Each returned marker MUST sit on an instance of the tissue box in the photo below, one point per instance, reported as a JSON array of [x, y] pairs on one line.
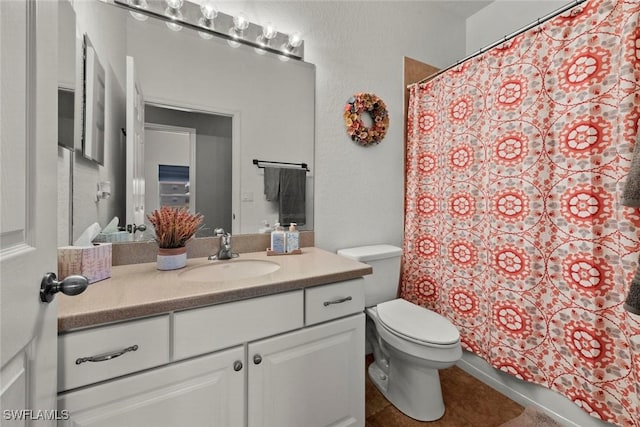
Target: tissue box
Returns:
[[93, 262]]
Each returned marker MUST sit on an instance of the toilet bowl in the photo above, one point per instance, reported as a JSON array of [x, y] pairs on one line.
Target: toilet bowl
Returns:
[[410, 343]]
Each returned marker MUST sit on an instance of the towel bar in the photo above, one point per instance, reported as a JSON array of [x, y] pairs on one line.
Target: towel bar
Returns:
[[302, 165]]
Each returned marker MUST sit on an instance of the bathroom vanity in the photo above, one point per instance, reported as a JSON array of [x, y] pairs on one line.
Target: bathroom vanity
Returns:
[[281, 349]]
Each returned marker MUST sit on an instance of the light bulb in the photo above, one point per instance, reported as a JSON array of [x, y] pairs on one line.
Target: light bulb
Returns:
[[138, 16], [208, 24], [233, 33], [140, 4], [175, 15], [295, 40], [262, 42], [175, 4], [240, 22], [208, 10], [268, 31]]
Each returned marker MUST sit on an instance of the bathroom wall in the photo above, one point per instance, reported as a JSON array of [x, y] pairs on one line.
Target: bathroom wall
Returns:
[[500, 18], [503, 17], [358, 47]]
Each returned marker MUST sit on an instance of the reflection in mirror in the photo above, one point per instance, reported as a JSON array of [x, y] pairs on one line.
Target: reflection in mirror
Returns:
[[206, 152], [66, 117], [268, 105], [94, 85]]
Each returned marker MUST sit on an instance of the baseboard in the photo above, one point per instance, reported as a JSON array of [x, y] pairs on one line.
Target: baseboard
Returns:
[[553, 403]]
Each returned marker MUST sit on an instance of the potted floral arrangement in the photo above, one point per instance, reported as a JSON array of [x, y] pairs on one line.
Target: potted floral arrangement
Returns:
[[173, 227]]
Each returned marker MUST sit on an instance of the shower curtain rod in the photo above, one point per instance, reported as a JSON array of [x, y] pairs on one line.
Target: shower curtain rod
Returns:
[[539, 21]]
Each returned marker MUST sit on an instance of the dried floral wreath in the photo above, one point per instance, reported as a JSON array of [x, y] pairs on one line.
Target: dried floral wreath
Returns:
[[375, 107]]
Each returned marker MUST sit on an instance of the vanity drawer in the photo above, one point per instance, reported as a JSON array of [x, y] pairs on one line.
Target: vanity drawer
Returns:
[[105, 352], [207, 329], [328, 302]]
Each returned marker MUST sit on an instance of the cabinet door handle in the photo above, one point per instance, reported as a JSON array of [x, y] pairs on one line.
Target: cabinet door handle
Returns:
[[338, 301], [257, 359], [237, 365], [106, 356]]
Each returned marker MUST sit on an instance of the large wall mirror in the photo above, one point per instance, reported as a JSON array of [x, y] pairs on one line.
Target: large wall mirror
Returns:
[[205, 110]]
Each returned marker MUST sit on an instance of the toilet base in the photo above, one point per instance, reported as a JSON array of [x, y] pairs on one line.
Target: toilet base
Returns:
[[415, 391]]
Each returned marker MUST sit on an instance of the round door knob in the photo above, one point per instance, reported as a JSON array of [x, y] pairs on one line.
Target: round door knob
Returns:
[[257, 359], [71, 285], [237, 365]]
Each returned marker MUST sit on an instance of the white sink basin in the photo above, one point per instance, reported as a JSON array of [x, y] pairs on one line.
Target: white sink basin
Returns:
[[229, 270]]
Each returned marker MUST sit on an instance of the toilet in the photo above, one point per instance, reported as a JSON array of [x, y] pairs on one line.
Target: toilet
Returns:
[[410, 343]]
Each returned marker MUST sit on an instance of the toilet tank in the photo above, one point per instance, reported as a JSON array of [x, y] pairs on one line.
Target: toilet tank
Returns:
[[382, 285]]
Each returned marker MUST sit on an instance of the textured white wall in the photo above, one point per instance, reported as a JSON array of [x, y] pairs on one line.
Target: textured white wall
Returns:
[[358, 47], [503, 17]]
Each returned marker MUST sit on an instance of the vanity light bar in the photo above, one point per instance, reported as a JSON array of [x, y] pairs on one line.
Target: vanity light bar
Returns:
[[223, 27]]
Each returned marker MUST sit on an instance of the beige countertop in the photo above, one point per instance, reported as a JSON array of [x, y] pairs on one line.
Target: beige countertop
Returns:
[[138, 290]]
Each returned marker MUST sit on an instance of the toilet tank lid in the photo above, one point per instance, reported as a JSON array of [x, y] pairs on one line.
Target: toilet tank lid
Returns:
[[371, 253]]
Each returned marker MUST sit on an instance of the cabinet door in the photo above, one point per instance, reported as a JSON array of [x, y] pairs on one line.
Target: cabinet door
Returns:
[[313, 377], [207, 391]]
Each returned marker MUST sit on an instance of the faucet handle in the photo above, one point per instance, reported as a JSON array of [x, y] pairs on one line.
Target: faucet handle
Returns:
[[218, 232]]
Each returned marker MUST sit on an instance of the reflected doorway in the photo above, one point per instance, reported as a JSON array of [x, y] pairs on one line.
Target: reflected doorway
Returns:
[[203, 143]]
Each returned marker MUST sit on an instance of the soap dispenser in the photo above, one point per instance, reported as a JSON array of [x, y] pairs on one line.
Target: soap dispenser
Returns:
[[278, 239], [293, 238]]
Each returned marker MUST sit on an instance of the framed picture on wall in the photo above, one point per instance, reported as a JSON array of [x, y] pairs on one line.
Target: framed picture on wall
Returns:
[[94, 105]]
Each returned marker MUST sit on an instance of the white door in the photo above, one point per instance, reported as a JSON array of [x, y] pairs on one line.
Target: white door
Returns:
[[135, 147], [28, 215]]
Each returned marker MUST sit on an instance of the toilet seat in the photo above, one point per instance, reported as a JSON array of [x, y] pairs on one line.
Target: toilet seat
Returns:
[[416, 323]]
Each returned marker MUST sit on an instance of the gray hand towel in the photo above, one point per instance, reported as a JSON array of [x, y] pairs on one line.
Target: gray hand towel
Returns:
[[631, 192], [631, 198], [271, 183], [632, 302], [293, 184]]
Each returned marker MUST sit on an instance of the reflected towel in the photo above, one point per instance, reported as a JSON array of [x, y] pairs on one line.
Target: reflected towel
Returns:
[[631, 198], [293, 184], [631, 191], [271, 183], [632, 303]]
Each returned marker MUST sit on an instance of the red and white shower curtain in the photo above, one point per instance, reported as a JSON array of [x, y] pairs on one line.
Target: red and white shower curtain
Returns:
[[514, 230]]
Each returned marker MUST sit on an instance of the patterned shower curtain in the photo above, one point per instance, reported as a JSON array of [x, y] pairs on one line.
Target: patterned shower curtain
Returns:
[[514, 230]]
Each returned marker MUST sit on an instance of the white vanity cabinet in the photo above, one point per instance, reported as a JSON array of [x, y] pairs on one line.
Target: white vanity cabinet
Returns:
[[312, 377], [205, 391], [285, 360]]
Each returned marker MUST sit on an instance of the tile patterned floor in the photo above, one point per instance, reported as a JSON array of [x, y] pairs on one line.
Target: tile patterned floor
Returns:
[[468, 403]]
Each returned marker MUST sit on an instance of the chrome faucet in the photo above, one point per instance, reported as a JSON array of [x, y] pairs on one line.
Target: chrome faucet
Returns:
[[225, 245]]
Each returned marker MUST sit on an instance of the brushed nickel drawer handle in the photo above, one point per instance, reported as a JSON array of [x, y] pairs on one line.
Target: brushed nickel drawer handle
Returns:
[[106, 356], [338, 301]]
